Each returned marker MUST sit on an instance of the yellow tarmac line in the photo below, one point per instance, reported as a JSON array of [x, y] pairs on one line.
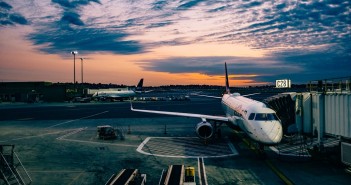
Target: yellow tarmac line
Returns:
[[77, 119], [285, 179], [279, 173]]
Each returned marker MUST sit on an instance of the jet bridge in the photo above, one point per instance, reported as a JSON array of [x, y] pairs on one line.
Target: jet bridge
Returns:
[[284, 105], [316, 119]]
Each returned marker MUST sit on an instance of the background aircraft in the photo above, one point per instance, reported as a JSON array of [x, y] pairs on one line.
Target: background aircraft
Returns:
[[258, 121], [120, 94]]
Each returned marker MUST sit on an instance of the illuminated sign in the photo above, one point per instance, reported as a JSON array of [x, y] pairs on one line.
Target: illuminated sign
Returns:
[[285, 83]]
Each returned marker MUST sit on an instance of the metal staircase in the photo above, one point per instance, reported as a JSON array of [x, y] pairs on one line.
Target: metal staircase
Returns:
[[12, 171]]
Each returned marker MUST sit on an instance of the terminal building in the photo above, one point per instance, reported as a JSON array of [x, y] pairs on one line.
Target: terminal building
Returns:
[[31, 92], [38, 91]]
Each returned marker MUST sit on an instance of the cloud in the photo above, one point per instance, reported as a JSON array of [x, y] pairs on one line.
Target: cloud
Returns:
[[291, 24], [17, 18], [218, 9], [71, 8], [72, 18], [301, 38], [75, 3], [329, 61], [159, 5], [259, 68], [257, 24], [72, 33], [159, 24], [189, 4], [88, 40], [251, 4], [10, 17], [5, 6]]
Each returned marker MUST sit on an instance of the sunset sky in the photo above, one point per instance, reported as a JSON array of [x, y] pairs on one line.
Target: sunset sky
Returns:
[[175, 41]]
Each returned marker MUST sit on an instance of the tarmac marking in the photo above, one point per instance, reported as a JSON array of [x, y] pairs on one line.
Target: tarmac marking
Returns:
[[77, 119], [284, 178], [75, 131], [279, 173], [71, 133], [77, 177], [99, 143], [202, 171], [232, 148], [27, 137], [284, 153], [184, 147]]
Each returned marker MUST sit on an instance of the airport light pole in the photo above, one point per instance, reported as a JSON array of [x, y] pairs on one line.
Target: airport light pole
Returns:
[[74, 66], [81, 65]]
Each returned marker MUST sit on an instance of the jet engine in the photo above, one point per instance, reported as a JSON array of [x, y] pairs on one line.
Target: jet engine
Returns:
[[204, 130]]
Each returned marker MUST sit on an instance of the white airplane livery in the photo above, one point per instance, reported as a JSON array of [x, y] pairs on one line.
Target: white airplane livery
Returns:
[[258, 121], [120, 93]]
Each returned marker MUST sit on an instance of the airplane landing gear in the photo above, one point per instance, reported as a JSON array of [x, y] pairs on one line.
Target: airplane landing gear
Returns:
[[261, 151], [217, 130]]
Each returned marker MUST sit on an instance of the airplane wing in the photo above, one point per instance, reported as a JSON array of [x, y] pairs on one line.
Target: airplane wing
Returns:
[[250, 94], [207, 96], [202, 116], [221, 97]]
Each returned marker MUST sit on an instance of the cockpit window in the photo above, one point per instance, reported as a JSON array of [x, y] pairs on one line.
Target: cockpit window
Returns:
[[252, 116], [266, 117]]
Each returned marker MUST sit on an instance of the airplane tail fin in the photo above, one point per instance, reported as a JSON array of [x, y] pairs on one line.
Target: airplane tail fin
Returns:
[[140, 85], [227, 90]]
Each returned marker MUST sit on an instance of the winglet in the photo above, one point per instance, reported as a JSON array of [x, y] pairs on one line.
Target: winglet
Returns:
[[227, 90]]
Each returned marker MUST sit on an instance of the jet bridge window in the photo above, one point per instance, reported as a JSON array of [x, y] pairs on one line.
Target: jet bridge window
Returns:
[[252, 116], [266, 117]]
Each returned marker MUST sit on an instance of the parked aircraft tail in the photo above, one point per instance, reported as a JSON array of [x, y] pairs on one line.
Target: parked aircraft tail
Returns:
[[140, 85]]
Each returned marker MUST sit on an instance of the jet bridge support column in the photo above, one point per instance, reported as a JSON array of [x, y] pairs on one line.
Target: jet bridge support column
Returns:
[[318, 112]]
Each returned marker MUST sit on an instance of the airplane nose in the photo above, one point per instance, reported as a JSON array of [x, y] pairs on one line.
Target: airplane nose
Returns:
[[270, 132], [276, 135]]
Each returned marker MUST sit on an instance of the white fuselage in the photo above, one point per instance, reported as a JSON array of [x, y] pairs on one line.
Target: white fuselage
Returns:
[[115, 93], [253, 117]]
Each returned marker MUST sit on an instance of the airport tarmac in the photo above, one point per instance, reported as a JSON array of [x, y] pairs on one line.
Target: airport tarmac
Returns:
[[58, 144]]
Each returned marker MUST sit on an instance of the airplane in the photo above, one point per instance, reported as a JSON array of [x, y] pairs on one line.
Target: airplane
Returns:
[[258, 121], [120, 93]]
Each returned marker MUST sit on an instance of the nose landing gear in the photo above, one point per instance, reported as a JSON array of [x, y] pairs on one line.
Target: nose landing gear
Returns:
[[261, 151]]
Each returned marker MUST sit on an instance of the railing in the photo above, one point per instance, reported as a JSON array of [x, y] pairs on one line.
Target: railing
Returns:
[[333, 85], [9, 167], [5, 178], [24, 169]]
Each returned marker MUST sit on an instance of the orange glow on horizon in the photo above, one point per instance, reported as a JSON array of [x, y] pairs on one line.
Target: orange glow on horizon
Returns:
[[22, 61], [203, 79]]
